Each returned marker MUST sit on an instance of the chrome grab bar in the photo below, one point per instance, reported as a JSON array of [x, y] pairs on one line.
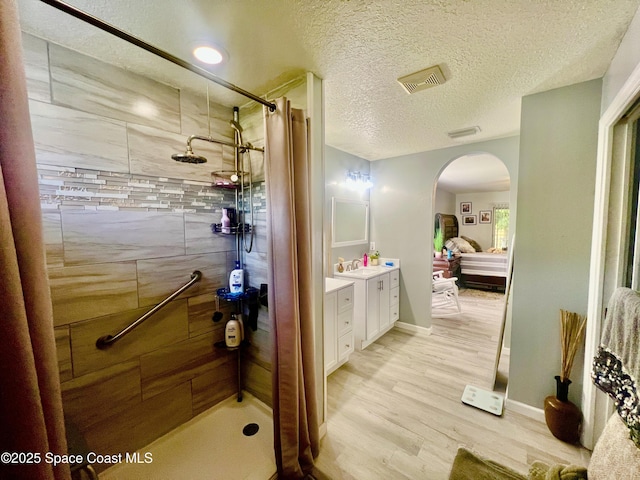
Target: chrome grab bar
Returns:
[[108, 340]]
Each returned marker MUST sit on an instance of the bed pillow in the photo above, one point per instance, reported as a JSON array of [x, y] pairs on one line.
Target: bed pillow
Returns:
[[473, 243], [459, 245], [451, 246]]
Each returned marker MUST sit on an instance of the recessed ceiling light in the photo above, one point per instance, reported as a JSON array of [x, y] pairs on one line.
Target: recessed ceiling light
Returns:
[[208, 54]]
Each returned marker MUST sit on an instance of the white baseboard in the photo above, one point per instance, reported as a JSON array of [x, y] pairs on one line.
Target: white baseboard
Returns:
[[524, 409], [409, 327]]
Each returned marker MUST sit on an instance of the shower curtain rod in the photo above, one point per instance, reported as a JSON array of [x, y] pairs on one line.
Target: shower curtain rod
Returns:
[[96, 22]]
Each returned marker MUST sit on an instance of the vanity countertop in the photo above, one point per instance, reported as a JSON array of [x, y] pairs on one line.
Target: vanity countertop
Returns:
[[333, 284], [369, 271]]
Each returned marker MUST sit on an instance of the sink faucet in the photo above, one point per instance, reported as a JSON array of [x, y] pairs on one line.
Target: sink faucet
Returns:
[[348, 268], [354, 263]]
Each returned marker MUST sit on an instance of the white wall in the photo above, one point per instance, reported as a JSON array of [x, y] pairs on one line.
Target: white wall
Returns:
[[445, 202], [402, 210], [627, 58], [558, 143], [337, 164], [481, 232]]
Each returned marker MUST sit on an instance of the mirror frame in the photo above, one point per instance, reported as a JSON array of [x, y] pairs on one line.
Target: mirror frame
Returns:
[[357, 241]]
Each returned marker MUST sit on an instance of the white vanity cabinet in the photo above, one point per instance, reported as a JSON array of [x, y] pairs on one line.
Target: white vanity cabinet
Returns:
[[376, 298], [338, 323], [377, 306]]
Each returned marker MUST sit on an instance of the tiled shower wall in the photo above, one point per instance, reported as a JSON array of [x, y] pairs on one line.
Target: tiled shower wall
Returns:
[[125, 226]]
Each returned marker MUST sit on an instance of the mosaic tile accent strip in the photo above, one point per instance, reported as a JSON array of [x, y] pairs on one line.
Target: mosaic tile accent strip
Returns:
[[64, 188]]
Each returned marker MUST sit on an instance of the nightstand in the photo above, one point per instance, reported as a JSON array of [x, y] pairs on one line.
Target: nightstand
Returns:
[[451, 267]]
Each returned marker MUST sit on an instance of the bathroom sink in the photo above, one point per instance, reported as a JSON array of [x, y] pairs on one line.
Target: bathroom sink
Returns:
[[362, 272]]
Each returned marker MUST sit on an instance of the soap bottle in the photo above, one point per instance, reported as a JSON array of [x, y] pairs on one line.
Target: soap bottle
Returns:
[[236, 280], [233, 332], [365, 260], [225, 222], [340, 266]]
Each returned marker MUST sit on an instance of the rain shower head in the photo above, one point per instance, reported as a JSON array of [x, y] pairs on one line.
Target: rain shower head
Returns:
[[188, 156]]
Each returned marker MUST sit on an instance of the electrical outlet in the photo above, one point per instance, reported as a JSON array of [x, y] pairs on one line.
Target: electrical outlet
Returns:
[[372, 246]]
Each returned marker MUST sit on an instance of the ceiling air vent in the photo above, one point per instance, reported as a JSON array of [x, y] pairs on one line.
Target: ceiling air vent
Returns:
[[430, 77], [463, 132]]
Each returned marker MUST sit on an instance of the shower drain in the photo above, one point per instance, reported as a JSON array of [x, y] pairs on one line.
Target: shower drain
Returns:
[[250, 429]]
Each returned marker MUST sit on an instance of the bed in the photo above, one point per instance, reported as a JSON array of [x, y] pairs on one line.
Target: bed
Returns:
[[478, 269]]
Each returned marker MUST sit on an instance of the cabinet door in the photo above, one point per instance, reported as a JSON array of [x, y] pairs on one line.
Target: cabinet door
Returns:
[[345, 299], [345, 322], [373, 307], [345, 346], [330, 331], [384, 301]]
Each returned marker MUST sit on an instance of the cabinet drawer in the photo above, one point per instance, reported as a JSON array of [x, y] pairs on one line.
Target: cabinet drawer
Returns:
[[394, 278], [394, 312], [394, 295], [345, 322], [345, 345], [345, 298]]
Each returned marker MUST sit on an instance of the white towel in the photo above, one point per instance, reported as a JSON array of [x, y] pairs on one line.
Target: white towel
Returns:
[[616, 367]]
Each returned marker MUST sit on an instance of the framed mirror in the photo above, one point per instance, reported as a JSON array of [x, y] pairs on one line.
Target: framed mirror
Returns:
[[349, 222]]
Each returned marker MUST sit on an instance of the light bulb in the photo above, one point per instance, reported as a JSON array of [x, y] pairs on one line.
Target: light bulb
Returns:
[[208, 55]]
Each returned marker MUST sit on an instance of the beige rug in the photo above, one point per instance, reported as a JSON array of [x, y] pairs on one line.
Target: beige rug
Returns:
[[472, 292]]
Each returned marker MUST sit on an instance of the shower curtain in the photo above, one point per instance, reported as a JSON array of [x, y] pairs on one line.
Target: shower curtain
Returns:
[[31, 418], [296, 435]]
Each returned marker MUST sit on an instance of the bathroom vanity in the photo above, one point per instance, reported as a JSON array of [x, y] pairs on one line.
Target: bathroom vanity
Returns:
[[376, 300], [338, 323]]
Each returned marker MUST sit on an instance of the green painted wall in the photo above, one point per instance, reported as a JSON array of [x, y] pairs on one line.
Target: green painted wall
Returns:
[[402, 215], [558, 142]]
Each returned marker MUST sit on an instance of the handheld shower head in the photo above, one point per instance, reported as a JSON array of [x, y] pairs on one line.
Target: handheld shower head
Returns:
[[188, 157], [236, 126]]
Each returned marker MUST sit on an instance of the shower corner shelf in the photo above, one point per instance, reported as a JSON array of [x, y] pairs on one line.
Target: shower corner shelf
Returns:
[[225, 294], [229, 178], [232, 230], [223, 345]]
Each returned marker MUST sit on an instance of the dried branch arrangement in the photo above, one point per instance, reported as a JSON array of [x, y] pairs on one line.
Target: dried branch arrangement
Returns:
[[571, 333]]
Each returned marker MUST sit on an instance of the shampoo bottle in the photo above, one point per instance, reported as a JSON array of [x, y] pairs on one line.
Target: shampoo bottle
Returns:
[[233, 332], [236, 280]]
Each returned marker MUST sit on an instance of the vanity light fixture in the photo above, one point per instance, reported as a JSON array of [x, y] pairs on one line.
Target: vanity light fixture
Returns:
[[358, 181], [211, 55]]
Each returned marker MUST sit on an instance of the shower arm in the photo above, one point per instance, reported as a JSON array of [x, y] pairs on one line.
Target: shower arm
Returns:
[[243, 148]]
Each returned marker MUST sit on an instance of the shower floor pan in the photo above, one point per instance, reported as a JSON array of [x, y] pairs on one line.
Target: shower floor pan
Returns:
[[219, 444]]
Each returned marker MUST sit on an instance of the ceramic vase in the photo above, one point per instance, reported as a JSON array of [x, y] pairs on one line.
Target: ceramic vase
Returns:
[[562, 416]]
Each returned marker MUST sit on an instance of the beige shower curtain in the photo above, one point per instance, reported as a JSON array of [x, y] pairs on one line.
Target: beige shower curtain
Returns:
[[31, 418], [289, 231]]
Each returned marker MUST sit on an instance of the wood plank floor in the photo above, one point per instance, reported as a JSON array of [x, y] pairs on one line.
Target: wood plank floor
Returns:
[[395, 409]]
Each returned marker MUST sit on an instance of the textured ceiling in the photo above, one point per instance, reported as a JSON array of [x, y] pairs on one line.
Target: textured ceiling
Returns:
[[491, 52]]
